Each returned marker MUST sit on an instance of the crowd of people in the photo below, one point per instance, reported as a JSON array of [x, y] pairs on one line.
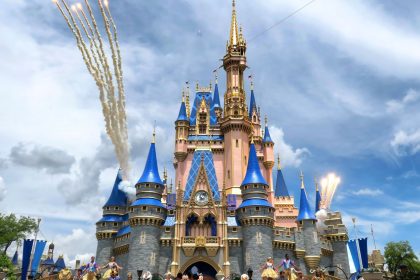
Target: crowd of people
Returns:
[[286, 270]]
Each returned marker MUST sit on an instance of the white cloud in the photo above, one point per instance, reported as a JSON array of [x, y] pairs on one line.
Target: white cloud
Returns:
[[406, 143], [288, 155], [3, 190], [79, 244], [394, 105], [368, 192]]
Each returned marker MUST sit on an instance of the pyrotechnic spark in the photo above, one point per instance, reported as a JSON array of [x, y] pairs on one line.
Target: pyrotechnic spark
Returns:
[[112, 99], [328, 187]]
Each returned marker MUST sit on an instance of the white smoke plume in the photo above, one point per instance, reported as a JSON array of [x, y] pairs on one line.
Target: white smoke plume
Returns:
[[129, 190], [84, 27]]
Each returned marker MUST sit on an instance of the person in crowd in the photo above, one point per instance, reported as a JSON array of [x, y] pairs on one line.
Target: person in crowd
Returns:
[[179, 276], [244, 277], [91, 269], [269, 271], [129, 276]]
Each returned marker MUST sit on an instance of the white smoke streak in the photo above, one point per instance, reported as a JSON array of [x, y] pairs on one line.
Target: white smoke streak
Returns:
[[126, 187], [112, 99]]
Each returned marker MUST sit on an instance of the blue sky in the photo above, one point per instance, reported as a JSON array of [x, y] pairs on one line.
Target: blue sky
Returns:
[[339, 82]]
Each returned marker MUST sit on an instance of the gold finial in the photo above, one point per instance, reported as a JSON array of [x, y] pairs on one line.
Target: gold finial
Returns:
[[215, 76], [302, 186], [183, 95], [154, 133], [266, 120], [210, 85], [316, 184], [196, 86], [278, 162]]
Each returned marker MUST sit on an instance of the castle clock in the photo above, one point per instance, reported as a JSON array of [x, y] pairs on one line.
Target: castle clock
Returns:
[[201, 198]]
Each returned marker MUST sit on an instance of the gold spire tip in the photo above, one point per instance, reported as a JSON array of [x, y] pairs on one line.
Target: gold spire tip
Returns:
[[266, 120], [278, 161]]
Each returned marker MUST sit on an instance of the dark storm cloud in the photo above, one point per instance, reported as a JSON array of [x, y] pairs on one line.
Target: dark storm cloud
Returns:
[[48, 159]]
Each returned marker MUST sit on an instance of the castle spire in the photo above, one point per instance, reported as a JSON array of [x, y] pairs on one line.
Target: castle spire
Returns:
[[305, 211], [117, 196], [151, 171], [233, 38], [253, 171], [267, 137], [281, 188], [182, 115], [317, 197]]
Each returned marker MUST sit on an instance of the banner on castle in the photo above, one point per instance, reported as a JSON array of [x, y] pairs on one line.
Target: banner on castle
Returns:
[[39, 249], [26, 256], [364, 252], [171, 201], [231, 202]]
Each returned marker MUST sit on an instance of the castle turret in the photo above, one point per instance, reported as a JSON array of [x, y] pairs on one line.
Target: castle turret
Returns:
[[286, 212], [256, 216], [181, 132], [307, 223], [268, 151], [235, 124], [147, 214], [114, 216]]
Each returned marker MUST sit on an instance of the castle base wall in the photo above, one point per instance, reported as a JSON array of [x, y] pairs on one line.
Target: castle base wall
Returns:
[[104, 251]]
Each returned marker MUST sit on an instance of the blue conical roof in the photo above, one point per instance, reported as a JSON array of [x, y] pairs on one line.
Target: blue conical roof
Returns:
[[305, 211], [281, 188], [59, 264], [253, 172], [151, 171], [317, 200], [182, 115], [267, 137], [117, 197], [216, 98], [252, 104]]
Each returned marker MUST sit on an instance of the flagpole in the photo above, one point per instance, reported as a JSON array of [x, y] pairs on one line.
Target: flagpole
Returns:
[[357, 244], [33, 248]]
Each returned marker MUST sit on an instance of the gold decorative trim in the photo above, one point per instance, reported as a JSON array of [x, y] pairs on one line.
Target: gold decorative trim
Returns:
[[121, 250], [312, 261]]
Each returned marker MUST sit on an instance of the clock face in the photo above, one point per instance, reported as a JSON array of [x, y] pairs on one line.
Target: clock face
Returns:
[[201, 198]]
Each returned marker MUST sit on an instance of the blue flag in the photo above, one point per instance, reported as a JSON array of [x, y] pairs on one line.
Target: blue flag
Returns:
[[26, 256]]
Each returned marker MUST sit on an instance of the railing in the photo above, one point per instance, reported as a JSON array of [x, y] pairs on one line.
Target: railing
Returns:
[[200, 240]]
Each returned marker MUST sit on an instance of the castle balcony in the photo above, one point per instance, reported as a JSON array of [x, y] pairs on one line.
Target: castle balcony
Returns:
[[210, 244]]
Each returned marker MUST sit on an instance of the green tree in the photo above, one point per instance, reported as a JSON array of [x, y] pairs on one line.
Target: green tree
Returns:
[[7, 267], [400, 253], [13, 228]]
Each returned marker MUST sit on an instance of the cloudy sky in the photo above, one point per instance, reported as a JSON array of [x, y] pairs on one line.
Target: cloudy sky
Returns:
[[339, 81]]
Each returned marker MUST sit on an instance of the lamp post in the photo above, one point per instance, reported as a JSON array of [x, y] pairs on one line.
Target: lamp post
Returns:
[[250, 272], [139, 274]]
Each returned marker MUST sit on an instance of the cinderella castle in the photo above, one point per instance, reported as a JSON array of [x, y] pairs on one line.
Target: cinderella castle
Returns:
[[226, 214]]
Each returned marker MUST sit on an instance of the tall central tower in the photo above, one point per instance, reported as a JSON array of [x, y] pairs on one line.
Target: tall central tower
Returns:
[[235, 124], [234, 63]]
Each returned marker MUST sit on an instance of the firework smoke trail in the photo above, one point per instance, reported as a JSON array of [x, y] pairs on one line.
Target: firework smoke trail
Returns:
[[96, 61], [328, 187]]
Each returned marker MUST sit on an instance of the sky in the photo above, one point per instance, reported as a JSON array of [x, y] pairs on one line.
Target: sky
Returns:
[[339, 82]]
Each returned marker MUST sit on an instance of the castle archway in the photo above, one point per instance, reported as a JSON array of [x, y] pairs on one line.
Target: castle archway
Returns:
[[203, 265]]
